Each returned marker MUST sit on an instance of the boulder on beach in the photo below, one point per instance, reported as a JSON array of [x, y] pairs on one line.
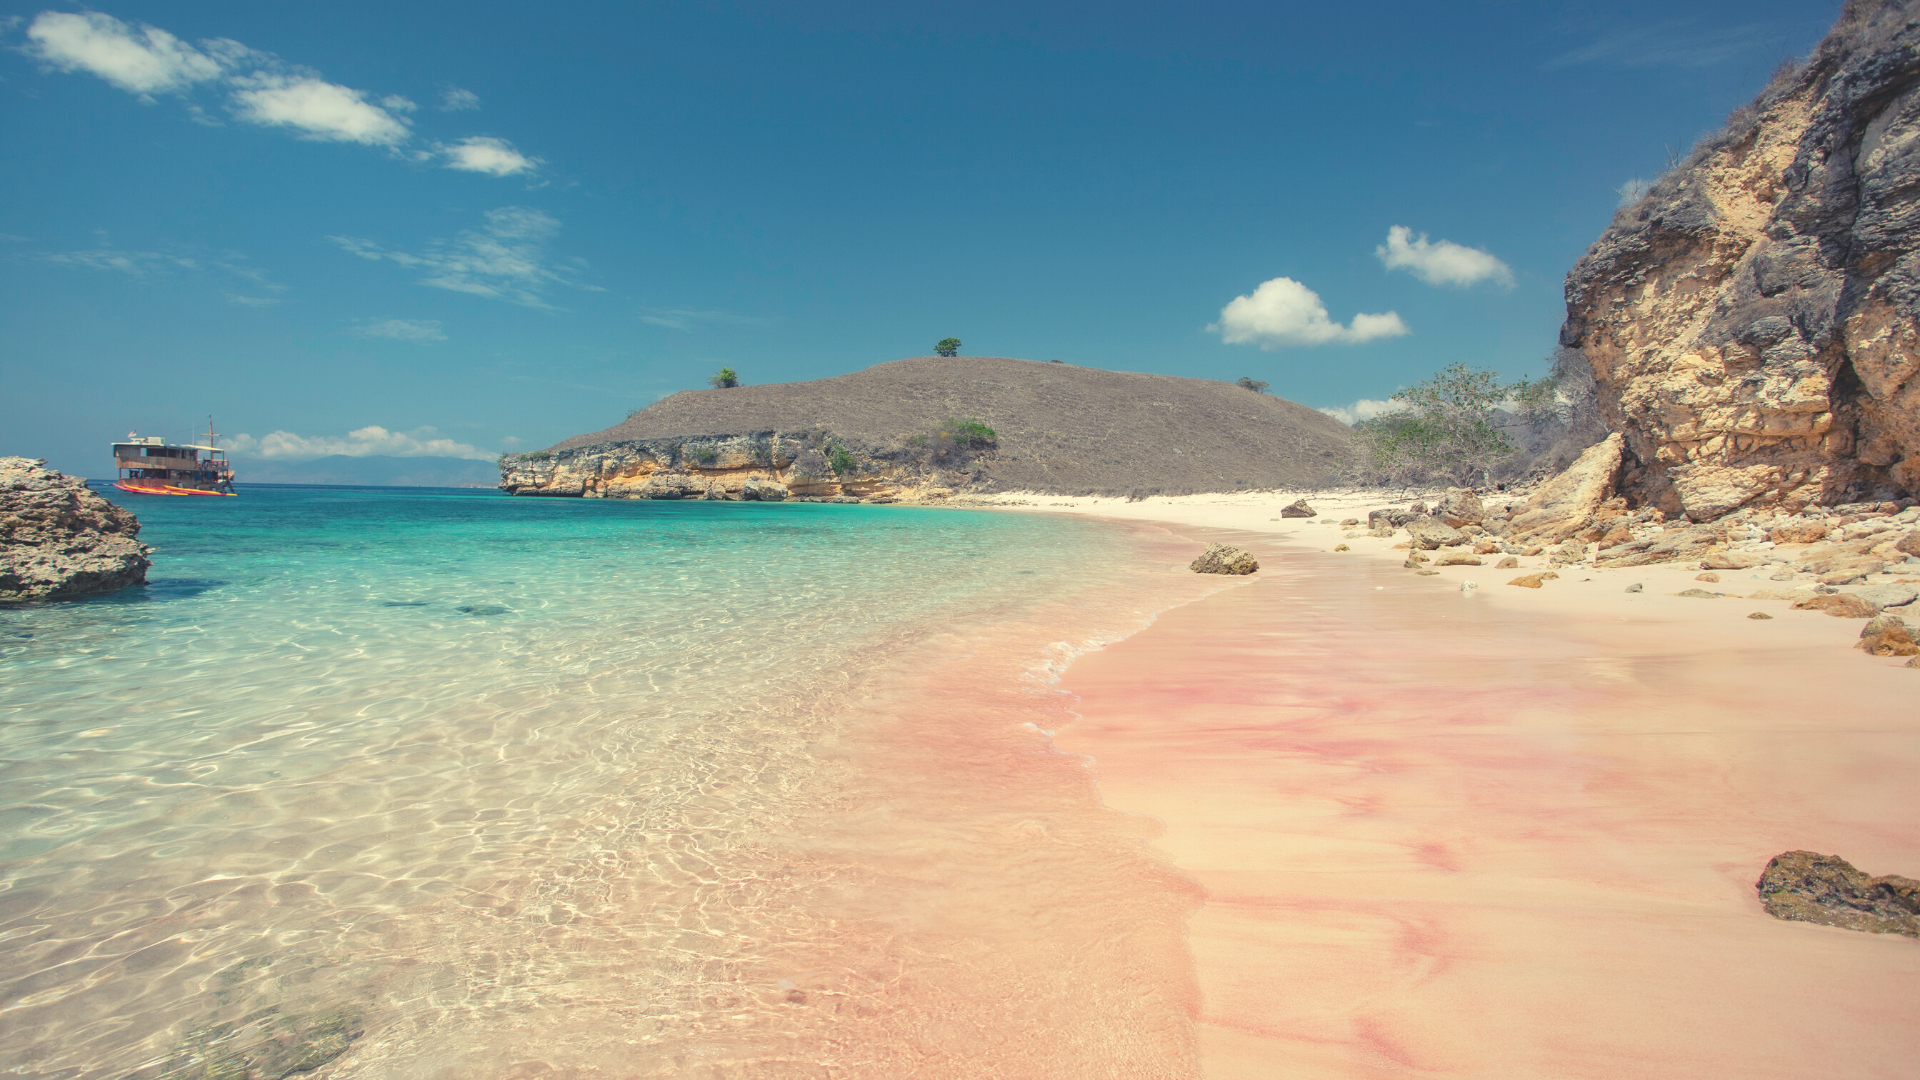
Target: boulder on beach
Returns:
[[1806, 886], [1389, 518], [1458, 558], [1222, 559], [1888, 635], [1460, 508], [1427, 534], [1839, 605], [59, 540], [1298, 509]]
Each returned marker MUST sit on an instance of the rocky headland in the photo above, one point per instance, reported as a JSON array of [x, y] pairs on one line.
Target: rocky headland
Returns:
[[61, 541], [932, 428], [1751, 321]]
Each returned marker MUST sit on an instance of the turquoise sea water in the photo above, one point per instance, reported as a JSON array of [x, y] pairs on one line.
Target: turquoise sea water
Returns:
[[418, 770]]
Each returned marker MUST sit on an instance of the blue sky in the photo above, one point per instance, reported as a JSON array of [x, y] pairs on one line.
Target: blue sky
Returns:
[[466, 228]]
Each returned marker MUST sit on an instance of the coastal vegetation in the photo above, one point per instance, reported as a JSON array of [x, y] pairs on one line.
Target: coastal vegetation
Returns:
[[1247, 382], [724, 379], [947, 347]]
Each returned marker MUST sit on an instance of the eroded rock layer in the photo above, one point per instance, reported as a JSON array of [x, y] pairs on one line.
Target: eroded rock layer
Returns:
[[61, 541], [1754, 322]]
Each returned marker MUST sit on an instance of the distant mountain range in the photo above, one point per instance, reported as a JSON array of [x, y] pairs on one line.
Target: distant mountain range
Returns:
[[371, 471]]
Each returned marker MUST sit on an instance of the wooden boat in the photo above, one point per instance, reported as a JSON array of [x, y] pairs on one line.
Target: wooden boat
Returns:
[[154, 466]]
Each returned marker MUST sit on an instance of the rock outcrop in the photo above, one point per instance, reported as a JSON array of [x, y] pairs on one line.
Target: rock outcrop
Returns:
[[761, 466], [1806, 886], [1224, 559], [61, 541], [1753, 322]]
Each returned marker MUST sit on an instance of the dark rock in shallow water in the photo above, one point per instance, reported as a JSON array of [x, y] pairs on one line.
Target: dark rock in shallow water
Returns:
[[1806, 886], [61, 541], [1221, 559], [483, 609]]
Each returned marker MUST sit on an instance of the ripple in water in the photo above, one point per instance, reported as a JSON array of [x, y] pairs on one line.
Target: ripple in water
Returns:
[[407, 784]]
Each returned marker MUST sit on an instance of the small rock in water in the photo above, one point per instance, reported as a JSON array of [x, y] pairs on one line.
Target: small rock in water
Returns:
[[1709, 576], [1299, 509], [1759, 615], [482, 609], [1807, 886], [1222, 559], [1636, 587]]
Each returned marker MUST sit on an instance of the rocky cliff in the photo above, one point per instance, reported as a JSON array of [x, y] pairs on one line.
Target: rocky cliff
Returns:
[[59, 540], [1752, 322], [883, 433]]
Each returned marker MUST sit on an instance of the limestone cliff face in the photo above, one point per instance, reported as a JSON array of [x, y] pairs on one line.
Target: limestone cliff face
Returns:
[[1752, 322], [767, 466]]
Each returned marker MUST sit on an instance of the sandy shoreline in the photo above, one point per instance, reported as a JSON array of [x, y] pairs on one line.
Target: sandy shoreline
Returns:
[[1506, 832]]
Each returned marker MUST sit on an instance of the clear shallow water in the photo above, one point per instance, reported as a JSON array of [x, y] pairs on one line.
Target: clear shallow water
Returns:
[[504, 787]]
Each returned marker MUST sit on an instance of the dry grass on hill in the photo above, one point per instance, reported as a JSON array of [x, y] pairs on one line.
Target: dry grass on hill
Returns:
[[1061, 428]]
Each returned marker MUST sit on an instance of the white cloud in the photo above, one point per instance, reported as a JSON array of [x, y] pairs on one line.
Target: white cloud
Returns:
[[253, 301], [401, 329], [362, 442], [1440, 262], [507, 259], [1284, 312], [143, 60], [320, 109], [485, 154], [136, 263], [691, 318], [262, 89], [1363, 409]]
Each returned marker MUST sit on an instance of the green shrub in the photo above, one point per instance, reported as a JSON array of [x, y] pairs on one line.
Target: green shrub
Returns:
[[724, 379], [947, 347], [537, 455], [840, 460], [706, 455], [1246, 382], [967, 431]]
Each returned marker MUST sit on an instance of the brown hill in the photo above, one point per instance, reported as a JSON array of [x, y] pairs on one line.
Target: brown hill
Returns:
[[1061, 428]]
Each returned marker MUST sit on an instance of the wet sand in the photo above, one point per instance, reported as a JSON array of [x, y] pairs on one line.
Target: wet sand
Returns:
[[1512, 833]]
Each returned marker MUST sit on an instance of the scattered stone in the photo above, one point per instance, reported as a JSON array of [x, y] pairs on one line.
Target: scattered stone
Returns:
[[1806, 886], [1699, 594], [1389, 518], [1299, 509], [1839, 605], [1349, 523], [1721, 560], [1419, 508], [1909, 544], [1426, 533], [1428, 573], [1528, 581], [1382, 533], [1636, 587], [1888, 635], [1222, 559], [1458, 558], [1707, 577], [1460, 508], [1418, 557], [1759, 615], [59, 540], [1507, 563], [1530, 552], [1342, 547], [1782, 574], [1469, 586]]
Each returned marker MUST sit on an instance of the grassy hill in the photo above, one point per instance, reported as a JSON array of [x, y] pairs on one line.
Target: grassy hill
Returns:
[[1061, 428]]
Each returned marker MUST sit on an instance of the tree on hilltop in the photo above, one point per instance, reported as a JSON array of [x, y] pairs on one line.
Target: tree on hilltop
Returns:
[[1258, 386], [947, 347], [723, 379]]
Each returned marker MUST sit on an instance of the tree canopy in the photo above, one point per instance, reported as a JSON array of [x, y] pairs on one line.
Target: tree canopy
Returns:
[[723, 379], [947, 347]]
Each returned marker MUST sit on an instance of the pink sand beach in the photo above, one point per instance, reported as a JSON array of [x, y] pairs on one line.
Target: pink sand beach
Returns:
[[1509, 832]]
